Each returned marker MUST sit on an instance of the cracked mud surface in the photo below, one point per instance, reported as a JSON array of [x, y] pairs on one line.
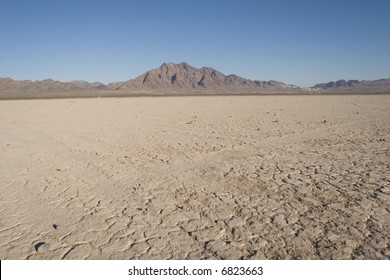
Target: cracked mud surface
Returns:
[[267, 177]]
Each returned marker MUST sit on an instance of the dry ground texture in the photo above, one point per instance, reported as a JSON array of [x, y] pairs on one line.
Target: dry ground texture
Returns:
[[222, 177]]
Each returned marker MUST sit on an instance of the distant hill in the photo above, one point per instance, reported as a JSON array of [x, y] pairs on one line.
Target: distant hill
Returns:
[[10, 88], [382, 85], [182, 77]]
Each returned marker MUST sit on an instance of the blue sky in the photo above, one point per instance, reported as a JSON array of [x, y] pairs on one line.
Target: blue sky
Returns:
[[301, 42]]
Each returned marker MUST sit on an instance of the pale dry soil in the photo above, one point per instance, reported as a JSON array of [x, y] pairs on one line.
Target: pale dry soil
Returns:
[[266, 177]]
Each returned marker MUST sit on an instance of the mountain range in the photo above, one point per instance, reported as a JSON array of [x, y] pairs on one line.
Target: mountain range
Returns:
[[382, 85], [181, 78]]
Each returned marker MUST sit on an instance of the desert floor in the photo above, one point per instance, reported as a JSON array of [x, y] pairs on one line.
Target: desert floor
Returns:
[[221, 177]]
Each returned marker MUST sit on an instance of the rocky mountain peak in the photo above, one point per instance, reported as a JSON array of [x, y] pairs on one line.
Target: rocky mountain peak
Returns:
[[182, 77]]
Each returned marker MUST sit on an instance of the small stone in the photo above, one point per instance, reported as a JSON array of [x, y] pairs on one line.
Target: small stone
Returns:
[[385, 190], [41, 246]]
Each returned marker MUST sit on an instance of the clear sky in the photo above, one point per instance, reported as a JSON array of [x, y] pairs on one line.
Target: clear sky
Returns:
[[303, 42]]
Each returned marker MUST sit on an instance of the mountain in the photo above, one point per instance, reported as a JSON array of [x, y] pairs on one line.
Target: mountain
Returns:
[[168, 78], [182, 77], [10, 88], [382, 85], [48, 84], [86, 85]]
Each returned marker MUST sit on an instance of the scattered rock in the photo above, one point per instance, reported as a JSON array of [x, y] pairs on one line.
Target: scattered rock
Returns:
[[385, 190], [40, 247]]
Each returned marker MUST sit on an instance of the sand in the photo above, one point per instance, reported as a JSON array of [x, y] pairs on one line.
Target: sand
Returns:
[[221, 177]]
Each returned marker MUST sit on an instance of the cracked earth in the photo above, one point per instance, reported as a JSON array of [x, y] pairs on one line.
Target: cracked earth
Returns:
[[218, 177]]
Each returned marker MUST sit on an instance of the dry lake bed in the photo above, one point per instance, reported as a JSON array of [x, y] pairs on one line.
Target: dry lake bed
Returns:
[[217, 177]]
